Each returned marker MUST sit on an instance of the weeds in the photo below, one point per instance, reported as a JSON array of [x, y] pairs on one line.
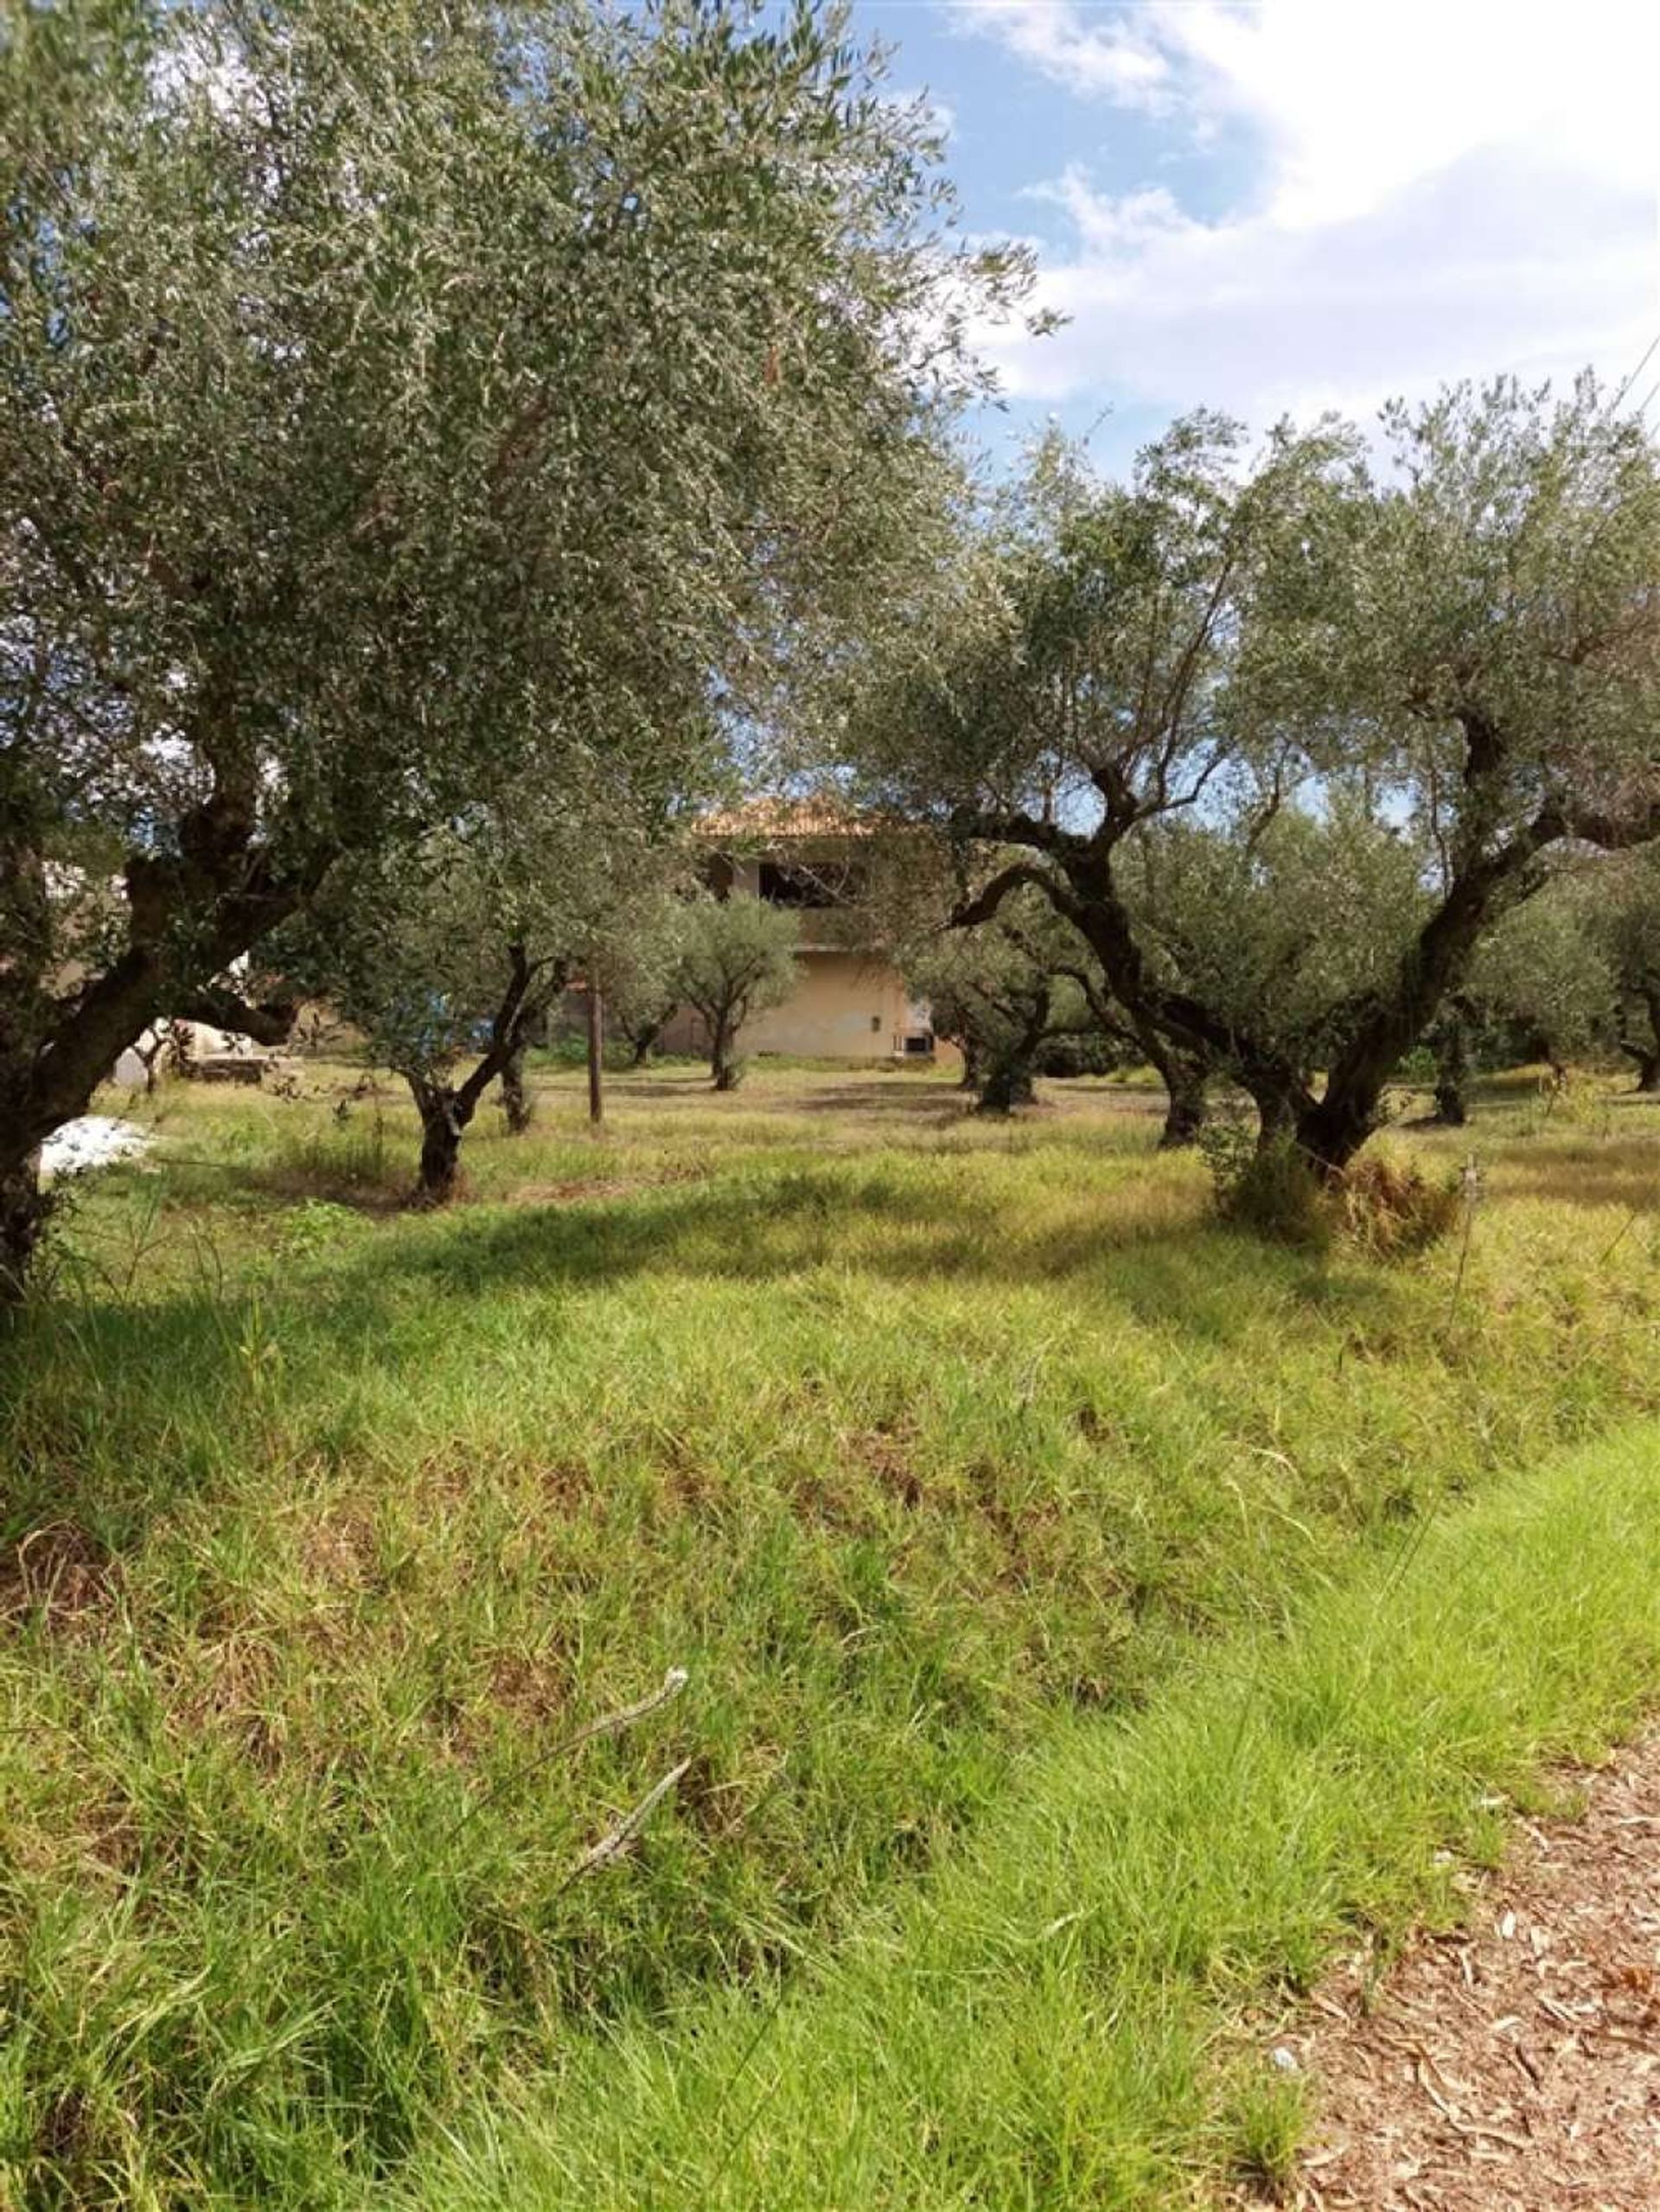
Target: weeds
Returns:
[[1264, 2121], [1278, 1196], [916, 1448], [1392, 1208], [349, 1155], [1386, 1203], [317, 1227], [1081, 2005], [1573, 1099]]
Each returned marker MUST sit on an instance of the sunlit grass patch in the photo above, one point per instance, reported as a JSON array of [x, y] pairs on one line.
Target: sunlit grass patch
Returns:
[[1078, 2007], [325, 1522]]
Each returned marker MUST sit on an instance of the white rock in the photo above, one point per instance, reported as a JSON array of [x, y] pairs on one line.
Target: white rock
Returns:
[[92, 1142]]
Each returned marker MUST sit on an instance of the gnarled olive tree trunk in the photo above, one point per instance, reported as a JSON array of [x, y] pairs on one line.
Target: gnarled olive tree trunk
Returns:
[[58, 1045], [445, 1109], [1188, 1105], [1008, 1084], [1452, 1045], [1007, 1078], [1186, 1078], [1645, 1051], [24, 1208], [515, 1096], [723, 1064], [1184, 1073], [644, 1035]]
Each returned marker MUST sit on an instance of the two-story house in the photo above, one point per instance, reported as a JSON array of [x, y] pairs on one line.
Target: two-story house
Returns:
[[850, 1002]]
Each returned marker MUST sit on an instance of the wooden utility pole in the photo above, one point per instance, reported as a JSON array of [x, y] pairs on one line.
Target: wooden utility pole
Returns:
[[596, 1051]]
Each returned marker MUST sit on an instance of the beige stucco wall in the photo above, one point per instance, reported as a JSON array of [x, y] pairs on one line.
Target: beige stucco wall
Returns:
[[847, 1006]]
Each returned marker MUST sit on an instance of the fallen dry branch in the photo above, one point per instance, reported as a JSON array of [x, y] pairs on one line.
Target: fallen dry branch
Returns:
[[617, 1840]]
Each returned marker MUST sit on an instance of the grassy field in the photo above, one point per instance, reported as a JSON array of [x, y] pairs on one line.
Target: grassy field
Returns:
[[932, 1450], [1079, 2010]]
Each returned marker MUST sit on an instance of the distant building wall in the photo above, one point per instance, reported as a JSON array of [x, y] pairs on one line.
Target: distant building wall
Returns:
[[846, 1006], [849, 1002]]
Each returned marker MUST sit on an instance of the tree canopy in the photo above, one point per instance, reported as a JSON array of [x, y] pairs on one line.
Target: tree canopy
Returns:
[[1445, 653], [737, 958], [398, 398]]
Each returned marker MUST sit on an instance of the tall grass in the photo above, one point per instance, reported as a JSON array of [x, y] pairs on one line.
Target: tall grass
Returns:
[[323, 1525], [1077, 2010]]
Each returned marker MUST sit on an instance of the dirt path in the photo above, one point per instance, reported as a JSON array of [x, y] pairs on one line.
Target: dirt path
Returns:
[[1514, 2066]]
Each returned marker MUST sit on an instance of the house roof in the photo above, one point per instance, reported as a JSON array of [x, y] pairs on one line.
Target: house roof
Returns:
[[788, 820]]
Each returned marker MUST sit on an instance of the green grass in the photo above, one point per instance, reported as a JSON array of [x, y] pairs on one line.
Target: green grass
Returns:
[[1077, 2010], [913, 1438]]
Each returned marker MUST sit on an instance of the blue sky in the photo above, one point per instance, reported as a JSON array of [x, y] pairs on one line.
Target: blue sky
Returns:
[[1299, 204]]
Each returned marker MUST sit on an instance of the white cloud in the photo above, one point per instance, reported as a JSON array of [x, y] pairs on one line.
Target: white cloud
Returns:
[[1110, 57], [1439, 190], [1359, 97], [1132, 222]]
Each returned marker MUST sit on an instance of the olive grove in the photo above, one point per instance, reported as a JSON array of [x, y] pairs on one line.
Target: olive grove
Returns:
[[1283, 735], [399, 399]]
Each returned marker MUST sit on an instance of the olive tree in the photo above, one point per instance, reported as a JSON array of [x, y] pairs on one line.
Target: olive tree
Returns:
[[1021, 988], [1462, 630], [449, 958], [1544, 971], [736, 959], [1276, 912], [395, 398], [443, 984], [1623, 897], [1002, 992], [636, 966], [1574, 971]]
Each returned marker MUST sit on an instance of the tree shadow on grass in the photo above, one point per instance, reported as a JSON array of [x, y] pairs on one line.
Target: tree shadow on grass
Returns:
[[120, 1410], [759, 1230], [1620, 1172], [897, 1097], [625, 1088], [1168, 1266], [890, 1098]]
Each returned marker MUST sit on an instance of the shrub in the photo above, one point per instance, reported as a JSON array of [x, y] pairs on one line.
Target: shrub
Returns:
[[1227, 1144], [1387, 1204], [1270, 1189], [1077, 1052], [315, 1226], [1417, 1067], [1383, 1203], [1277, 1194]]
